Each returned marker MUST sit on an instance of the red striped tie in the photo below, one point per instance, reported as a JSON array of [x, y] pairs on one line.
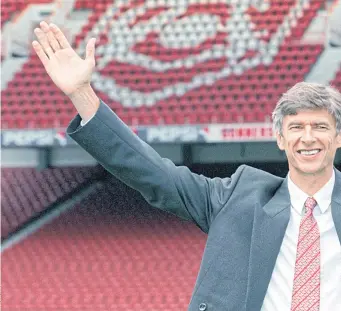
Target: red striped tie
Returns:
[[306, 289]]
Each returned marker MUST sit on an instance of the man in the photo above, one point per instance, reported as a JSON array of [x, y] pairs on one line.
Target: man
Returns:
[[273, 243]]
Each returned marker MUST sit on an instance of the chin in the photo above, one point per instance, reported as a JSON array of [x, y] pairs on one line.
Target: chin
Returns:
[[310, 169]]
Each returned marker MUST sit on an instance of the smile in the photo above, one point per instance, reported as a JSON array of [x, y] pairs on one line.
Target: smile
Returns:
[[309, 153]]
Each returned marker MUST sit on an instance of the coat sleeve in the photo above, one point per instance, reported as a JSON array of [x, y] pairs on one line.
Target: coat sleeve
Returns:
[[162, 184]]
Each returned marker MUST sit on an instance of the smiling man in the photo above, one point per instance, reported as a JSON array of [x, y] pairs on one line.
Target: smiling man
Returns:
[[307, 121], [273, 244]]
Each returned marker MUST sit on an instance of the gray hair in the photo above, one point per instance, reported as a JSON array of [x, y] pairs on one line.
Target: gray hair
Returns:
[[308, 96]]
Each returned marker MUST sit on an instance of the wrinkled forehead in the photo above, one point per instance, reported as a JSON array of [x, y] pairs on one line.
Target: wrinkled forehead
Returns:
[[310, 116]]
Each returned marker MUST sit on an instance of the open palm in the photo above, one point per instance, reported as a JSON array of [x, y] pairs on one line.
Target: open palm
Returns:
[[67, 69]]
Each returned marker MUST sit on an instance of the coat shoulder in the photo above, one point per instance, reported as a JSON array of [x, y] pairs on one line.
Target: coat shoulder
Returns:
[[254, 179]]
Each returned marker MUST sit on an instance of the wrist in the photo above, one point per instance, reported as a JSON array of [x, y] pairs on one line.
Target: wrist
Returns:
[[82, 91], [86, 101]]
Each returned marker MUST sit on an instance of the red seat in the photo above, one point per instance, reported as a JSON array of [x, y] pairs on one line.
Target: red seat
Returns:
[[231, 95]]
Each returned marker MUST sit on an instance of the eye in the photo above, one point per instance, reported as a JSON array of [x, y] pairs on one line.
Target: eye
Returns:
[[294, 127]]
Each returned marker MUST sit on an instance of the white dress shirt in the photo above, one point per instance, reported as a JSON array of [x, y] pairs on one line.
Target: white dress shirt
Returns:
[[279, 293], [85, 122]]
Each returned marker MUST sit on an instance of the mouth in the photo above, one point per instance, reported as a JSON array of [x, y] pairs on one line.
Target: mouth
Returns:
[[309, 153]]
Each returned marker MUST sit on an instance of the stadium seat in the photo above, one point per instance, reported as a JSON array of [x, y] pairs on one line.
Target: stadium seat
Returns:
[[263, 82], [27, 192], [106, 252]]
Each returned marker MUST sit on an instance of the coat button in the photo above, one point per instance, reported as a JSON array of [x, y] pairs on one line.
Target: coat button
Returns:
[[202, 306]]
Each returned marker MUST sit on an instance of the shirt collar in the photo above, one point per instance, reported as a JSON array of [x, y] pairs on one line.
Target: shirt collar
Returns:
[[323, 196]]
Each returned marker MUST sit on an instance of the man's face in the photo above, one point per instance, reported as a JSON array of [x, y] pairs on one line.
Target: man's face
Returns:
[[310, 141]]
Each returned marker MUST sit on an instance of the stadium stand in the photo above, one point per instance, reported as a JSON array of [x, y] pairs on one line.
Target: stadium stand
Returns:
[[12, 7], [109, 251], [26, 192], [112, 250], [32, 101], [337, 80]]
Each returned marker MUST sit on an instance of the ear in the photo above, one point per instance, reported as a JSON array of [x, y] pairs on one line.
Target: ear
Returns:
[[280, 141]]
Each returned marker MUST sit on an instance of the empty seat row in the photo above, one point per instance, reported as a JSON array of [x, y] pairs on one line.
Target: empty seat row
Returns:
[[27, 192], [111, 250]]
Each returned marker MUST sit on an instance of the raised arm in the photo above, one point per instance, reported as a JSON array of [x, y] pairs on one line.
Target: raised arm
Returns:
[[118, 149]]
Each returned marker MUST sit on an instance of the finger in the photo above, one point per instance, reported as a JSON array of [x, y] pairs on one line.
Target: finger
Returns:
[[42, 38], [40, 52], [90, 49], [50, 36], [64, 43]]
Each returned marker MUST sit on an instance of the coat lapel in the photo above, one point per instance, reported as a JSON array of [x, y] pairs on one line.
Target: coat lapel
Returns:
[[270, 223], [336, 203]]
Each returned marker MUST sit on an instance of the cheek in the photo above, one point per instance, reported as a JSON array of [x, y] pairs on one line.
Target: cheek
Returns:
[[330, 142], [292, 143]]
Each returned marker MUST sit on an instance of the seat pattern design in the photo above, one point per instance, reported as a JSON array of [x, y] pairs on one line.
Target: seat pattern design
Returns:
[[154, 81]]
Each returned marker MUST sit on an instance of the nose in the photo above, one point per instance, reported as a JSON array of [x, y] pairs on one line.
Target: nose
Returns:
[[308, 136]]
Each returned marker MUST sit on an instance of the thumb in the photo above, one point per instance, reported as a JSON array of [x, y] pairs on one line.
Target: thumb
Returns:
[[90, 49]]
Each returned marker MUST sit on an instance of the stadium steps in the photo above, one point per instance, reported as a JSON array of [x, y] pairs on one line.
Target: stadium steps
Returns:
[[316, 32], [78, 19], [326, 66], [10, 66]]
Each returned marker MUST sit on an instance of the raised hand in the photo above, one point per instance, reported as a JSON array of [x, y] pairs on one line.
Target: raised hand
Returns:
[[67, 70]]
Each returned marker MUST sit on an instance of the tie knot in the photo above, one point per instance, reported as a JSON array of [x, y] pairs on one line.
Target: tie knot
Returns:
[[310, 204]]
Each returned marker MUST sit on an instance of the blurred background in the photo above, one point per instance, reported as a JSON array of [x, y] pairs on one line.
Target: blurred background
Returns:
[[197, 80]]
